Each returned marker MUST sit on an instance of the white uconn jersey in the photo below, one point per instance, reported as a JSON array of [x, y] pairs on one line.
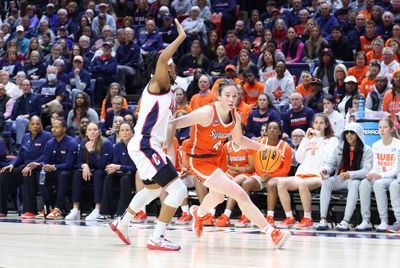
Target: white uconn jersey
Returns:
[[154, 115]]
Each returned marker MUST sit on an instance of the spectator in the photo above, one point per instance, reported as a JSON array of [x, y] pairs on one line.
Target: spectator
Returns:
[[340, 45], [374, 100], [78, 78], [241, 29], [128, 57], [251, 88], [376, 52], [245, 63], [314, 45], [325, 70], [217, 66], [115, 137], [103, 69], [292, 16], [103, 19], [263, 113], [389, 64], [35, 68], [168, 30], [298, 117], [182, 7], [292, 47], [304, 88], [233, 45], [226, 9], [230, 72], [58, 166], [195, 59], [81, 109], [205, 95], [395, 34], [335, 118], [194, 25], [355, 33], [339, 75], [345, 102], [95, 154], [205, 10], [391, 99], [326, 21], [301, 26], [117, 110], [359, 71], [50, 16], [385, 29], [368, 37], [368, 82], [149, 40], [22, 41], [10, 63], [348, 171], [315, 99], [12, 90], [181, 103], [242, 108], [6, 103]]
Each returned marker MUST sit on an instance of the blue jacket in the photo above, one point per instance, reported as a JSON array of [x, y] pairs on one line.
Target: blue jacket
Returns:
[[95, 160], [151, 43], [256, 120], [3, 153], [108, 123], [224, 6], [104, 67], [27, 104], [61, 154], [128, 55], [327, 25], [292, 120], [32, 150], [84, 76], [121, 157]]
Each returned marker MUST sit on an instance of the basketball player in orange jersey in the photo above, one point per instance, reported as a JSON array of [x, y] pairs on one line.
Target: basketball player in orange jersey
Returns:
[[212, 124]]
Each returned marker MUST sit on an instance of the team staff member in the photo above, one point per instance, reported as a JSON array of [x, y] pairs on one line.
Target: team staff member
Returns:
[[23, 169], [122, 170], [94, 155], [58, 160]]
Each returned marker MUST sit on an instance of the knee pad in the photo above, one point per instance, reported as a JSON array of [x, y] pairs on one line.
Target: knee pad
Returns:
[[177, 192], [143, 198]]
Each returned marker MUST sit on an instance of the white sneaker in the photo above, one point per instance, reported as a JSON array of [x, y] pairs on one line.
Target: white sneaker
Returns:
[[162, 244], [343, 226], [74, 215], [364, 227], [120, 231], [322, 226], [93, 215], [382, 227]]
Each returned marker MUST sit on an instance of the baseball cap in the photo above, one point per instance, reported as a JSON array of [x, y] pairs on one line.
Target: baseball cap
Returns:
[[230, 67], [51, 5], [350, 78], [316, 81], [78, 58], [20, 28]]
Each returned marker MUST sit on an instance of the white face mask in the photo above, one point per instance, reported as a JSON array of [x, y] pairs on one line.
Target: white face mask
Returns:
[[51, 77]]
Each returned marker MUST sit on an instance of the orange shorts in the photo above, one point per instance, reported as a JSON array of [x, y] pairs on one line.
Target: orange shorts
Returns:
[[203, 168], [308, 176]]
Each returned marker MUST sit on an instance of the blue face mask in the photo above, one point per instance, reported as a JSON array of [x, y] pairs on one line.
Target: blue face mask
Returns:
[[51, 77]]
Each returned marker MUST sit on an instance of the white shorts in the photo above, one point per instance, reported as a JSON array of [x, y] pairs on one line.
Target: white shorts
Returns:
[[189, 181]]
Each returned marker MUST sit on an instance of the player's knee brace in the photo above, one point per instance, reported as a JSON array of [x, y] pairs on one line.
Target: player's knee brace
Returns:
[[143, 198], [177, 192]]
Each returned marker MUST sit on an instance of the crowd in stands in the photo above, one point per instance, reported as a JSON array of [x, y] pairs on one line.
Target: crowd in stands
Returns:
[[67, 69]]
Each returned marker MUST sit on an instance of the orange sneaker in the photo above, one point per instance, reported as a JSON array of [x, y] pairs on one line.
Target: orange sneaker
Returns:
[[305, 223], [208, 220], [28, 216], [243, 222], [279, 238], [270, 220], [184, 219], [140, 217], [197, 224], [55, 214], [41, 215], [286, 223], [222, 221]]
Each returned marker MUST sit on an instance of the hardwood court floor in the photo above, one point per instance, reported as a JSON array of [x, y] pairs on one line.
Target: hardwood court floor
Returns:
[[55, 244]]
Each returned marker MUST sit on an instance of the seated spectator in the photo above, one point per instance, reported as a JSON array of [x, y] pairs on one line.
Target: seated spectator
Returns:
[[102, 19], [314, 45], [35, 68], [233, 44], [24, 169], [242, 108], [245, 63], [395, 34], [193, 87], [369, 36], [56, 51], [374, 100], [61, 74], [292, 47], [304, 88], [314, 100], [359, 71], [335, 118], [326, 21], [81, 109], [384, 173], [391, 99], [389, 64], [272, 46], [46, 43], [12, 90], [279, 31], [10, 63], [117, 110], [115, 137], [22, 41], [311, 23], [192, 60], [114, 89], [217, 66], [368, 82], [128, 57], [26, 106], [263, 113], [376, 52], [182, 7], [103, 69], [6, 103], [312, 155], [58, 166], [149, 40], [224, 9], [95, 154], [296, 138], [348, 171], [120, 172], [279, 88], [141, 13], [251, 88], [194, 25], [325, 70], [205, 95], [181, 134], [340, 45], [181, 103], [230, 72], [77, 50], [298, 117], [346, 100], [213, 42], [168, 31], [395, 45], [78, 78], [301, 26], [205, 9]]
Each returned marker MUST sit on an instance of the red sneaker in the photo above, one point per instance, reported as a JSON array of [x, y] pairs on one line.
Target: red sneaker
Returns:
[[55, 214], [305, 223], [222, 221], [184, 219], [28, 216], [162, 244], [270, 220], [41, 215], [208, 220], [279, 238], [197, 224], [286, 223], [140, 217], [243, 222], [122, 234]]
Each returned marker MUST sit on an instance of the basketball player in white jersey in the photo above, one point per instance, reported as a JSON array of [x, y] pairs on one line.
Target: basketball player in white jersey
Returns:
[[145, 148]]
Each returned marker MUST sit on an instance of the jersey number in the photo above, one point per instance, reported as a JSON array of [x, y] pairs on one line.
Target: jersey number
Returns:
[[216, 146]]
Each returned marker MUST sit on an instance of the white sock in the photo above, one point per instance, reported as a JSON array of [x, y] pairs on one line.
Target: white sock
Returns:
[[323, 220], [185, 208], [126, 218], [228, 212], [159, 230], [267, 229], [289, 214], [212, 211], [201, 213], [270, 213], [307, 215]]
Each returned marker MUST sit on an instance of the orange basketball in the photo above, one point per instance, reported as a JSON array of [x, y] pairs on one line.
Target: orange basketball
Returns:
[[267, 159]]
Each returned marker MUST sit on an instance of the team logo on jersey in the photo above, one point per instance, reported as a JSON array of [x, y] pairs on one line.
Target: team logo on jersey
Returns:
[[218, 135]]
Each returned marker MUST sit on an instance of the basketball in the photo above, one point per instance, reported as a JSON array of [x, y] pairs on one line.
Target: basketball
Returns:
[[267, 159]]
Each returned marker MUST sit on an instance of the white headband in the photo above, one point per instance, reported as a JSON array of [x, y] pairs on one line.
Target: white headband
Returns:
[[170, 61]]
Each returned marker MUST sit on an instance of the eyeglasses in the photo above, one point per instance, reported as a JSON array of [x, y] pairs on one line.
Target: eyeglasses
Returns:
[[380, 81]]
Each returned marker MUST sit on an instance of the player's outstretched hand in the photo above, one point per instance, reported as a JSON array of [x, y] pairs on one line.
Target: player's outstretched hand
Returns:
[[179, 27]]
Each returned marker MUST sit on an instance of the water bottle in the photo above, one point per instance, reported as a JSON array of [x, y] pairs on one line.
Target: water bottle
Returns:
[[42, 177], [361, 107]]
